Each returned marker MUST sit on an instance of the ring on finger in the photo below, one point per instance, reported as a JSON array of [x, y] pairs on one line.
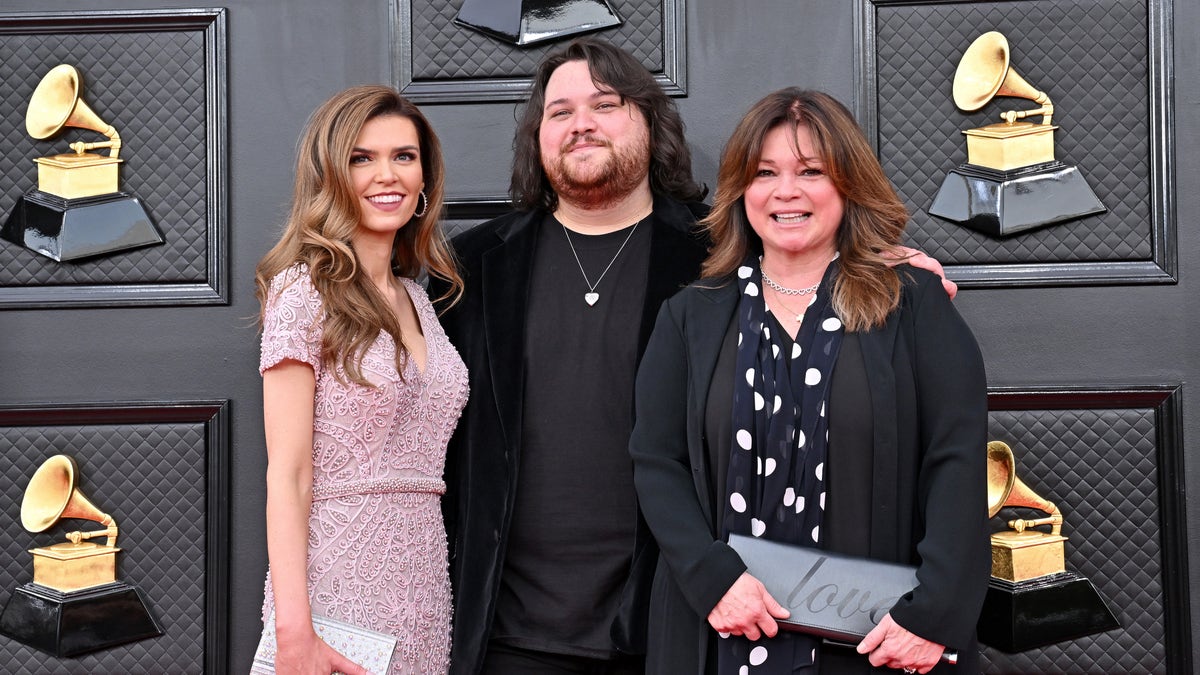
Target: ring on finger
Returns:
[[910, 671]]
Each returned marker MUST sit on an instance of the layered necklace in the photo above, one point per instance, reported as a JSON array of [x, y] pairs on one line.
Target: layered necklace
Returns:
[[784, 290], [591, 297]]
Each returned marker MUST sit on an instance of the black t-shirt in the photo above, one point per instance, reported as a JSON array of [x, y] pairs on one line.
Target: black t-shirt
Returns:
[[570, 541]]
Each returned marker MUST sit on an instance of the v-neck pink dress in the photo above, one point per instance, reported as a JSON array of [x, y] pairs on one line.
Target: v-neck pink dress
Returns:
[[376, 540]]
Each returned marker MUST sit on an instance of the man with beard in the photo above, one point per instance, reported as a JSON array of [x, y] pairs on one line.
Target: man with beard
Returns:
[[550, 560]]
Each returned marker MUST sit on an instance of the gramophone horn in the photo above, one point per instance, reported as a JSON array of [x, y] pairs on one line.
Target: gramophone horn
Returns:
[[56, 104], [1023, 495], [1001, 474], [984, 73], [1005, 489], [51, 496]]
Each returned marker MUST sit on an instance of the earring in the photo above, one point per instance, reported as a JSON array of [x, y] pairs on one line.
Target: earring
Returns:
[[424, 208]]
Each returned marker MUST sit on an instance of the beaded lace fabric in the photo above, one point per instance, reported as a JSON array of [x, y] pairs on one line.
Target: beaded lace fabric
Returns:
[[376, 541]]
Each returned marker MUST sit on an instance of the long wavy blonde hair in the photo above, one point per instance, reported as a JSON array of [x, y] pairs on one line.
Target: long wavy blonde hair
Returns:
[[325, 215], [866, 288]]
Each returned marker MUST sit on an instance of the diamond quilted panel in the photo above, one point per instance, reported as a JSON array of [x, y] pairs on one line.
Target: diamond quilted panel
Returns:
[[1099, 468], [151, 87], [1090, 57], [151, 478], [443, 50]]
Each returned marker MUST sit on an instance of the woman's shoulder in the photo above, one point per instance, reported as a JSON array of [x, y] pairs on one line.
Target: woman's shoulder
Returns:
[[707, 291], [702, 303], [914, 281], [293, 288], [296, 277], [296, 273], [292, 319], [924, 298], [915, 276]]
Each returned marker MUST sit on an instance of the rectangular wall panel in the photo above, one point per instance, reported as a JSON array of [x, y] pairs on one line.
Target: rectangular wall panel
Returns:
[[161, 471], [158, 77], [1112, 462], [1106, 66], [437, 60]]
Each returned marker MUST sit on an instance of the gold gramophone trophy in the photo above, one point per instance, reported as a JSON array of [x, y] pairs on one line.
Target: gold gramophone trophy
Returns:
[[77, 210], [1011, 181], [1032, 600], [75, 603]]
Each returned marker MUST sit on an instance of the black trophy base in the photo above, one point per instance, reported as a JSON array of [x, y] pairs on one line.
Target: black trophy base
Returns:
[[1038, 612], [71, 229], [1002, 203], [69, 624], [528, 22]]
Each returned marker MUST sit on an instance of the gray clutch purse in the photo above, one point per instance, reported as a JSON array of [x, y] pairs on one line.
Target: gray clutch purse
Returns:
[[370, 649], [830, 595], [839, 598]]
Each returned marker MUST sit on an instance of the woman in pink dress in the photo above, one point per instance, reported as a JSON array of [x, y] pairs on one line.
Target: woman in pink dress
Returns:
[[361, 389]]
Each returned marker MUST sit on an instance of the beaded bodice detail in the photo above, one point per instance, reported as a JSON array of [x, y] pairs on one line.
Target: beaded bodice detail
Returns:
[[401, 417]]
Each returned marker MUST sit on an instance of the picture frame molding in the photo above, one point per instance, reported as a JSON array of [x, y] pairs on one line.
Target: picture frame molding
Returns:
[[1166, 403], [1162, 265], [673, 78], [215, 416], [214, 290]]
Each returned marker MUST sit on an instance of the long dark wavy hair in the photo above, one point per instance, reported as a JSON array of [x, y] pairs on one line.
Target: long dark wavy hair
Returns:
[[325, 215], [612, 68], [873, 218]]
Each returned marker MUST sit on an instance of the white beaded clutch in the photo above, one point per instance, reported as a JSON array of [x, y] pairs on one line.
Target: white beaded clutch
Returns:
[[370, 649]]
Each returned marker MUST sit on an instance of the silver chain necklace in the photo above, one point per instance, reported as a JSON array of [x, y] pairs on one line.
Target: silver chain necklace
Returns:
[[799, 315], [783, 290], [591, 297]]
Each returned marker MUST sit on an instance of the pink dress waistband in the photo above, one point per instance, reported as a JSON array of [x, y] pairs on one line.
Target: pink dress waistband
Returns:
[[407, 484]]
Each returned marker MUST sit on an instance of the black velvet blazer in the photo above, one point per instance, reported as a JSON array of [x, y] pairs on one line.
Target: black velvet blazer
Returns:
[[488, 328], [929, 503]]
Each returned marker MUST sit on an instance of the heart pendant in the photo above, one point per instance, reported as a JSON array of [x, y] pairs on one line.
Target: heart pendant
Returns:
[[591, 298]]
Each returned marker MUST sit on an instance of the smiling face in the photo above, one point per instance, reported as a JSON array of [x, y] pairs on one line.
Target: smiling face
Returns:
[[386, 175], [595, 145], [791, 203]]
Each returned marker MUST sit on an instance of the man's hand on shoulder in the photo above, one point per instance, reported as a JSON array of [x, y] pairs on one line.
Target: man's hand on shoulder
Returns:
[[905, 254]]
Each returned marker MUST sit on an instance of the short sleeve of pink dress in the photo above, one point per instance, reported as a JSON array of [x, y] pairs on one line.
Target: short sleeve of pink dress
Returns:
[[377, 543], [292, 320]]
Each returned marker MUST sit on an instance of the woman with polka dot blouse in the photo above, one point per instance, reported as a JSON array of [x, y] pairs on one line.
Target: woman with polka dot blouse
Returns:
[[806, 391]]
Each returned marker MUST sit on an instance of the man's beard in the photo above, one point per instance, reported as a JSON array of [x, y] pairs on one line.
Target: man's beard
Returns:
[[599, 184]]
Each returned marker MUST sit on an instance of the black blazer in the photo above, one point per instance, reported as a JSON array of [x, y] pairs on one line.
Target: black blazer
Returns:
[[929, 503], [488, 328]]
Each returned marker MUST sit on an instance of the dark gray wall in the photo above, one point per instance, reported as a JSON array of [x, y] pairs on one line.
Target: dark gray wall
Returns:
[[286, 56]]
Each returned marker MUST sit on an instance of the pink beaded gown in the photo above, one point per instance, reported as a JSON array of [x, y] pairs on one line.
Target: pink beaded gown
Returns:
[[376, 540]]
